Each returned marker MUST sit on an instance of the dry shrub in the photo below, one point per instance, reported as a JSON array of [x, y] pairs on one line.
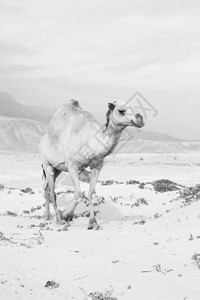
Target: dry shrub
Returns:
[[101, 296], [165, 185], [191, 194]]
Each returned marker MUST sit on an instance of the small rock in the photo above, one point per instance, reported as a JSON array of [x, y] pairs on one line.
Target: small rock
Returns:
[[191, 237]]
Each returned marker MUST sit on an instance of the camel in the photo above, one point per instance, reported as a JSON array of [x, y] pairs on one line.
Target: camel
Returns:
[[75, 141]]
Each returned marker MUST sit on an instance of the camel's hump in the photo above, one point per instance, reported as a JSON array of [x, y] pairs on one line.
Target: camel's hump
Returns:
[[70, 114], [65, 110], [73, 104]]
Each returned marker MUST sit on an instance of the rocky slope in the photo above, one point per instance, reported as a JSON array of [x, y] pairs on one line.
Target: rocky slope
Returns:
[[20, 134]]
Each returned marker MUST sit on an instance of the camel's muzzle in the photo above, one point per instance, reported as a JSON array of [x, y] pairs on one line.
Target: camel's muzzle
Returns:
[[139, 122]]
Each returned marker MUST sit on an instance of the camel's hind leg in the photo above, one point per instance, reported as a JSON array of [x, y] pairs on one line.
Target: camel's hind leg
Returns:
[[46, 193], [47, 204], [50, 175]]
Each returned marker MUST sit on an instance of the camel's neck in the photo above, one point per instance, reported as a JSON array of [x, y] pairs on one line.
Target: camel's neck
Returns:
[[114, 130], [109, 139]]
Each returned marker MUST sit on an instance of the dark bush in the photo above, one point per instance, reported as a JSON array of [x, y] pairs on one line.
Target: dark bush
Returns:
[[165, 185], [28, 190]]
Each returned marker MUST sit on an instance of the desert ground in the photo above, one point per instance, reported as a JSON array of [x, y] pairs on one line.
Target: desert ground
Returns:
[[148, 245]]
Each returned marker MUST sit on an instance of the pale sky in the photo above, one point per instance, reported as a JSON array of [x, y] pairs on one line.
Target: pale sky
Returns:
[[98, 51]]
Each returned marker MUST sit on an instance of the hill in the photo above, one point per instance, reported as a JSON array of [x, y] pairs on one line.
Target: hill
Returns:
[[141, 141], [9, 107], [20, 134], [157, 146], [141, 134]]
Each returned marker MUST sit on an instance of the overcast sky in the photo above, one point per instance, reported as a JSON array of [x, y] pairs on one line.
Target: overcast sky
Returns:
[[99, 51]]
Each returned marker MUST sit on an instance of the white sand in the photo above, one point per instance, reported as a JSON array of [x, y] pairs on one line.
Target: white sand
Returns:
[[149, 261]]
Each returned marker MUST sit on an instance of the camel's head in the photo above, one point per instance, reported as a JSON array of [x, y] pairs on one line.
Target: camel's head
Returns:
[[122, 114]]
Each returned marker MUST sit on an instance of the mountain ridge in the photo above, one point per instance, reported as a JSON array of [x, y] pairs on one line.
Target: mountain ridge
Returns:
[[23, 135], [9, 107], [21, 127]]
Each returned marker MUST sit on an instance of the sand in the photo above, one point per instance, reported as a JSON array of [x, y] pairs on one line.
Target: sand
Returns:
[[142, 251]]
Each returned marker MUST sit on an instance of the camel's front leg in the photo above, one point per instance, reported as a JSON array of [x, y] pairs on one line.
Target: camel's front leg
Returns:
[[94, 177], [68, 213]]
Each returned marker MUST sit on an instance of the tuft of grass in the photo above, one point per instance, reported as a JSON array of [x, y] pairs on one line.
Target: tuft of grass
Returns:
[[110, 182], [2, 187], [51, 284], [33, 209], [142, 185], [3, 238], [141, 222], [107, 182], [140, 201], [196, 258], [86, 214], [132, 182]]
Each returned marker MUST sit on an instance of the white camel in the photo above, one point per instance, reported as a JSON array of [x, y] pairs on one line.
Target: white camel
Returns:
[[75, 141]]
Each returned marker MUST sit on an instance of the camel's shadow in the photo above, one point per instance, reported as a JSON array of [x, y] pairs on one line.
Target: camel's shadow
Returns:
[[104, 211]]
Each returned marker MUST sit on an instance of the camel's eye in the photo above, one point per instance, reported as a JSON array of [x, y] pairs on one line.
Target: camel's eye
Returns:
[[121, 111]]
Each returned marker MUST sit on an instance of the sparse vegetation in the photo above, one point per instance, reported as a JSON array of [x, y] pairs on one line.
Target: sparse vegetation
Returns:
[[110, 182], [86, 214], [107, 182], [33, 209], [141, 222], [101, 296], [98, 200], [10, 213], [140, 201], [157, 215], [132, 182], [190, 195], [116, 199]]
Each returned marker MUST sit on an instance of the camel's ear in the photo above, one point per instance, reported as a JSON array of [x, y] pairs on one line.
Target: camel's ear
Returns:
[[111, 106]]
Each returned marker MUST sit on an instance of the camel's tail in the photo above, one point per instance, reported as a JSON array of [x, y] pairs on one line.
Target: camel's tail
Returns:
[[44, 176], [44, 179]]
